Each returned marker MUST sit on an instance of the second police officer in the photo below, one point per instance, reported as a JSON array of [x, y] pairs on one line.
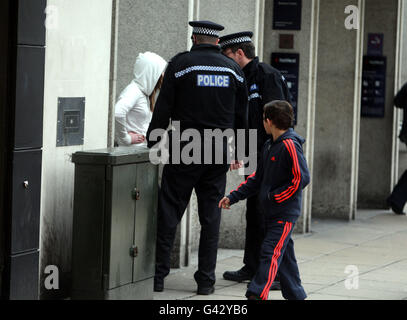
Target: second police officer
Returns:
[[265, 84], [202, 89]]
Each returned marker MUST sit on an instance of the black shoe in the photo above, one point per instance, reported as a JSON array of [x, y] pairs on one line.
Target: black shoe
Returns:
[[252, 296], [158, 285], [238, 276], [205, 291], [395, 208], [275, 286]]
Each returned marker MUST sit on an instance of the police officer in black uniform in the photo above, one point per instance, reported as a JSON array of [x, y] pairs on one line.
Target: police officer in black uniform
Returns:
[[398, 197], [202, 89], [265, 84]]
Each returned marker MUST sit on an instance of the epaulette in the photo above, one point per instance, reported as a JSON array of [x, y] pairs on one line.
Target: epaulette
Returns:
[[177, 56]]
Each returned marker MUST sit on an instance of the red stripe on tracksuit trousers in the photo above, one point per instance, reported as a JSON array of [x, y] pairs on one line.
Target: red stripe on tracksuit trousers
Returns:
[[277, 255], [274, 261]]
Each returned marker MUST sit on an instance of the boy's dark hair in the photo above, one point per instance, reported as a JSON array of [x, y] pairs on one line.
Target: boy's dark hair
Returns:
[[281, 113], [247, 47]]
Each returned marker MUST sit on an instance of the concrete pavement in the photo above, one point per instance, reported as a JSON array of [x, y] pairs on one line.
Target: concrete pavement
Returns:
[[359, 260]]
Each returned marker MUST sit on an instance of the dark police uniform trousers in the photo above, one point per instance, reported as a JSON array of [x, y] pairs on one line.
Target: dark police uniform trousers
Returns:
[[202, 89], [265, 84], [399, 194], [209, 182]]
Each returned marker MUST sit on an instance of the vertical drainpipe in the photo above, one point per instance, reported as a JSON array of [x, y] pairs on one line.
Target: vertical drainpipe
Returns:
[[357, 111], [113, 71]]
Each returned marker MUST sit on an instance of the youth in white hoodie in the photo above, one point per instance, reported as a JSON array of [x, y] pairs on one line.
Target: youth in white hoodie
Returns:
[[132, 110]]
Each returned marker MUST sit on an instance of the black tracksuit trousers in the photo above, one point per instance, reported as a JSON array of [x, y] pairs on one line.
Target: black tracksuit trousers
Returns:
[[277, 254]]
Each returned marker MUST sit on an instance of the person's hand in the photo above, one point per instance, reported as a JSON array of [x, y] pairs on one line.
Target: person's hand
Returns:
[[136, 138], [236, 165], [225, 203]]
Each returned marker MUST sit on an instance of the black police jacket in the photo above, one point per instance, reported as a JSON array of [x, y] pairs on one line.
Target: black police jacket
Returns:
[[202, 89], [400, 101], [265, 84]]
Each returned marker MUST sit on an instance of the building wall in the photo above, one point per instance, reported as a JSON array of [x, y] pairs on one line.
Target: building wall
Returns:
[[76, 65]]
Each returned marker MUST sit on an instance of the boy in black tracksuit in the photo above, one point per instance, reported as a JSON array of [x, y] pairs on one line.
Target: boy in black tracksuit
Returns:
[[281, 175]]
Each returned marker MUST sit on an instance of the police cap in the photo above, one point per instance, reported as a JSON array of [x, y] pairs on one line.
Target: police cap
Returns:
[[206, 28], [235, 38]]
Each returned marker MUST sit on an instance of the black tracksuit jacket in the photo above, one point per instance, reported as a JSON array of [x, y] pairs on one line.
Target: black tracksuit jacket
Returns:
[[281, 175]]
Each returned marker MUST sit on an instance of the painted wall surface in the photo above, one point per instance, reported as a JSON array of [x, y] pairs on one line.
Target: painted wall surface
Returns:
[[375, 154], [76, 65]]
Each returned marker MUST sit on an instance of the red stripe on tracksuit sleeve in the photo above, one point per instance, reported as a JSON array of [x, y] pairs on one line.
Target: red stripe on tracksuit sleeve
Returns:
[[243, 183], [274, 259], [296, 173]]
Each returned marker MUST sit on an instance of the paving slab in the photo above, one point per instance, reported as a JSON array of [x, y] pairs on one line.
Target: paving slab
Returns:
[[362, 292], [375, 243]]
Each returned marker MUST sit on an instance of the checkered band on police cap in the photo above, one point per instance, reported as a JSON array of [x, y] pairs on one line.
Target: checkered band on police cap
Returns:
[[206, 32], [206, 28], [235, 38]]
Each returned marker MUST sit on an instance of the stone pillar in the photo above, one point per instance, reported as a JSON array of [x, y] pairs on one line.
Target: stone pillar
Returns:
[[337, 115], [376, 134], [306, 44]]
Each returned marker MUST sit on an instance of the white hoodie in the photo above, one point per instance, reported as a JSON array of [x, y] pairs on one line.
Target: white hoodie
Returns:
[[132, 110]]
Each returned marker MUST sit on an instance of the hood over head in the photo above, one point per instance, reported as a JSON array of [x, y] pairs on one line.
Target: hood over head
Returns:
[[147, 71]]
